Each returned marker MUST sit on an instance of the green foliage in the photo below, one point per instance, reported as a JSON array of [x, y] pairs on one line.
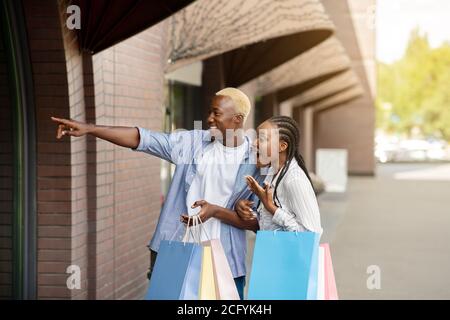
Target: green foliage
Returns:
[[415, 90]]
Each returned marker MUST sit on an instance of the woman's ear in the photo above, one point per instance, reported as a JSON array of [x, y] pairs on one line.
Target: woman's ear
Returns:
[[283, 146]]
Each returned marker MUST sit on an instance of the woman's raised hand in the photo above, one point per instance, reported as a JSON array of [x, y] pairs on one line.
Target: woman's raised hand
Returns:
[[264, 194], [254, 186]]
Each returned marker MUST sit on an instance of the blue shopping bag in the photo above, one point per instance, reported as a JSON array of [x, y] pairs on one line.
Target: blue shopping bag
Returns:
[[176, 273], [285, 266]]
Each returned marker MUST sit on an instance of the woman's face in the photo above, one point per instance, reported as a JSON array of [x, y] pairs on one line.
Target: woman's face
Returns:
[[266, 144]]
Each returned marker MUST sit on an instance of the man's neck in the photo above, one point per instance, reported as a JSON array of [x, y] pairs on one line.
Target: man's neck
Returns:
[[237, 139]]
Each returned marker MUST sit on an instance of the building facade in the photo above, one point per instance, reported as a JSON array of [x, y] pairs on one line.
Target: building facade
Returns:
[[76, 214]]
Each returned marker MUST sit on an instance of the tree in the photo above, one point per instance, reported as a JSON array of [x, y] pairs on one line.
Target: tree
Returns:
[[417, 90]]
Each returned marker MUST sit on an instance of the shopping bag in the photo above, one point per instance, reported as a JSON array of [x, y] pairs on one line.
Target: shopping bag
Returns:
[[330, 292], [186, 270], [207, 287], [176, 272], [321, 275], [192, 279], [285, 266], [216, 279], [223, 278]]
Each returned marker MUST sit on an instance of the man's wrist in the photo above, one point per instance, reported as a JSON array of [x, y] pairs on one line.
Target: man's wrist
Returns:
[[90, 128], [215, 210]]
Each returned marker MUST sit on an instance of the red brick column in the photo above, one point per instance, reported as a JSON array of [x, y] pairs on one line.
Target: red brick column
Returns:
[[54, 183], [128, 92]]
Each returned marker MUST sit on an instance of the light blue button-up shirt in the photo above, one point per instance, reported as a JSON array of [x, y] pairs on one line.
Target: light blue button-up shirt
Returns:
[[183, 148]]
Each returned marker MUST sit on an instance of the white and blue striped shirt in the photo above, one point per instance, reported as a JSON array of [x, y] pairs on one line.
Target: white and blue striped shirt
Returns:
[[299, 210]]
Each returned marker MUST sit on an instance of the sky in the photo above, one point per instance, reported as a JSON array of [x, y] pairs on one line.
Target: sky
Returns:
[[396, 18]]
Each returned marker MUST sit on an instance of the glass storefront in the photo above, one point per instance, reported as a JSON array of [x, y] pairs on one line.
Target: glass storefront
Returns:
[[183, 103], [17, 159]]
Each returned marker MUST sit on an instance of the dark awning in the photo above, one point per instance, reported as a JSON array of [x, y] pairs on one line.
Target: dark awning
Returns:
[[251, 37], [340, 99], [319, 101], [107, 22], [345, 80], [290, 92], [292, 78]]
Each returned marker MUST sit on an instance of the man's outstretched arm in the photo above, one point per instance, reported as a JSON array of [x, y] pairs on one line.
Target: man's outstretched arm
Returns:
[[123, 136]]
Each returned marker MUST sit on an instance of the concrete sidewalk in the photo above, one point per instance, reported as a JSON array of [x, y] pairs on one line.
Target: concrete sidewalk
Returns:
[[398, 221]]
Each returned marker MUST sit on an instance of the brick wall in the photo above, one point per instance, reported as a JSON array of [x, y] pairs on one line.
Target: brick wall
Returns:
[[97, 203], [75, 63], [54, 183], [128, 92], [336, 127]]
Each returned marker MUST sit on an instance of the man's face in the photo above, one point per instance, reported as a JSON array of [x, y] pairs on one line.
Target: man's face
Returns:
[[223, 116]]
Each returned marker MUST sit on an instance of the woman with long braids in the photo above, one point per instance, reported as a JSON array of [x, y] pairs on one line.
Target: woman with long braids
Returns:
[[286, 201]]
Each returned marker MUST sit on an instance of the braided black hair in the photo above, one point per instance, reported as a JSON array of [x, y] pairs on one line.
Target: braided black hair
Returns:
[[290, 133]]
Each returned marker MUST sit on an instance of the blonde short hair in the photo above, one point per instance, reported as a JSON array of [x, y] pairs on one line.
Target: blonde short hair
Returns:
[[240, 99]]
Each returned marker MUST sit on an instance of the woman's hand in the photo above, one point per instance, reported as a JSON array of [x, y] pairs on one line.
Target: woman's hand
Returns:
[[207, 211], [244, 210], [264, 194], [254, 186]]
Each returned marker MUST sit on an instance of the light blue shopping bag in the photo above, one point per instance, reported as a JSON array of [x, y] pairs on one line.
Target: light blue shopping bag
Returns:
[[285, 266], [176, 273]]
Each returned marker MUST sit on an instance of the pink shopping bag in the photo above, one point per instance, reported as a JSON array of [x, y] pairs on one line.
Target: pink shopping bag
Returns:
[[329, 282]]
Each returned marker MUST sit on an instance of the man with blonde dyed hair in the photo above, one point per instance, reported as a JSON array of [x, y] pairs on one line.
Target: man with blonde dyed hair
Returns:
[[241, 101], [209, 178]]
